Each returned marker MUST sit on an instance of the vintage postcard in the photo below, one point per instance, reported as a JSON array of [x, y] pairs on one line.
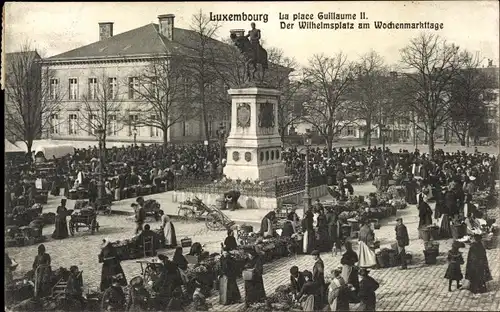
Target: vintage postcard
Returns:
[[251, 156]]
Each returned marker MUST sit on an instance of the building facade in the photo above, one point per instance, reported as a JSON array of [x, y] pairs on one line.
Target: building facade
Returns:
[[105, 75]]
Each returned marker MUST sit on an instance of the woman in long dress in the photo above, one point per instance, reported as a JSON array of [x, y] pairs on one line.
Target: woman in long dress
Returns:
[[182, 263], [367, 258], [254, 288], [111, 267], [323, 243], [477, 270], [168, 231], [229, 292], [43, 272], [61, 225], [309, 234], [338, 299], [349, 270]]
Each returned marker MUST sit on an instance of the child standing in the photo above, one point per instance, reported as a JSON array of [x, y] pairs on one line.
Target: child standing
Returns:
[[455, 260]]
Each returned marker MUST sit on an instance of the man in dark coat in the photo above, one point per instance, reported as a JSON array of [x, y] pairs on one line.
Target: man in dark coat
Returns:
[[297, 280], [403, 240], [319, 275], [367, 288]]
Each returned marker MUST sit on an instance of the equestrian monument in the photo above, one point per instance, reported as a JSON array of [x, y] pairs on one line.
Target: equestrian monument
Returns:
[[254, 144]]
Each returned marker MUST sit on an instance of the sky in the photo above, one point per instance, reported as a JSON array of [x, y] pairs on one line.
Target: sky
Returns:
[[54, 28]]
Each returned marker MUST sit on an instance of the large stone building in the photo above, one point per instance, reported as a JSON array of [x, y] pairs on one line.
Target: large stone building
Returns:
[[114, 64]]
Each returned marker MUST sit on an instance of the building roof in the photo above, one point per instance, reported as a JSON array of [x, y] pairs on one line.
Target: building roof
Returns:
[[142, 41]]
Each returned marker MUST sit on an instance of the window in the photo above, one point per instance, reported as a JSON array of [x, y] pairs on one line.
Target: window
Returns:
[[492, 112], [54, 124], [92, 88], [350, 131], [154, 131], [186, 87], [112, 88], [154, 88], [132, 123], [92, 124], [73, 119], [133, 85], [54, 88], [113, 125], [73, 88]]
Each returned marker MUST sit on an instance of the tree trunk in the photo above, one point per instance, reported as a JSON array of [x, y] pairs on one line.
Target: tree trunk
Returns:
[[29, 145], [430, 141], [467, 137], [329, 145], [165, 137], [368, 134]]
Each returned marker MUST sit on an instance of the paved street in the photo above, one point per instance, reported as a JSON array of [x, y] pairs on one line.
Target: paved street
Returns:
[[421, 287]]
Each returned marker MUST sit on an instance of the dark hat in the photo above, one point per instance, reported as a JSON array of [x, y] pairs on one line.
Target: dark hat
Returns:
[[399, 219], [315, 253]]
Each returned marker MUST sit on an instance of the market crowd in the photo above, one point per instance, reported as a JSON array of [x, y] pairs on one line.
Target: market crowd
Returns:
[[450, 179]]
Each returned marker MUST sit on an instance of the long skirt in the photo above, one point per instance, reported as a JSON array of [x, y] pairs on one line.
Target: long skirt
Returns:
[[309, 241], [309, 304], [61, 228], [229, 292], [170, 237], [254, 290], [444, 227], [366, 255]]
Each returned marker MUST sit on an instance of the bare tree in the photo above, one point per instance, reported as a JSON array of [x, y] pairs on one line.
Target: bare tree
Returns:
[[328, 81], [31, 99], [102, 108], [200, 65], [165, 91], [229, 66], [431, 65], [468, 110], [282, 75], [371, 93]]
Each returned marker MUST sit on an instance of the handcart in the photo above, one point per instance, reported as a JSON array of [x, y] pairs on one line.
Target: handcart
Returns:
[[84, 218]]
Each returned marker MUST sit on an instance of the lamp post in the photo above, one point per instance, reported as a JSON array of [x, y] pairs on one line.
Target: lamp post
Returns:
[[134, 131], [221, 133], [307, 196], [100, 183], [383, 129]]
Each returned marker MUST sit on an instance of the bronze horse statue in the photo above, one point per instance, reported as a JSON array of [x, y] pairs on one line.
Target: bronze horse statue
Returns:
[[252, 56]]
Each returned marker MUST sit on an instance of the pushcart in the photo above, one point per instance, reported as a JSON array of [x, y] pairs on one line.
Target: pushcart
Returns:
[[150, 269], [84, 218], [215, 219]]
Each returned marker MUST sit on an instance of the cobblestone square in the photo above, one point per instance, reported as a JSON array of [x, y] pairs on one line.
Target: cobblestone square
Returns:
[[419, 288]]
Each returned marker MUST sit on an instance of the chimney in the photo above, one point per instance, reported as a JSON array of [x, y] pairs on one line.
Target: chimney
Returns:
[[166, 22], [105, 30]]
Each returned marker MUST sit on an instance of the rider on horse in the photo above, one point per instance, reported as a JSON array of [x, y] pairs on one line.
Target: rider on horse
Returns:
[[254, 36]]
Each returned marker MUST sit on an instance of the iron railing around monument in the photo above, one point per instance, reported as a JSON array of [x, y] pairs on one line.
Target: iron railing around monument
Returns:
[[270, 189], [297, 184]]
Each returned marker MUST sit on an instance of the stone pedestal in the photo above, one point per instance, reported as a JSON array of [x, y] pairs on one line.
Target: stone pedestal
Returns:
[[254, 144]]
